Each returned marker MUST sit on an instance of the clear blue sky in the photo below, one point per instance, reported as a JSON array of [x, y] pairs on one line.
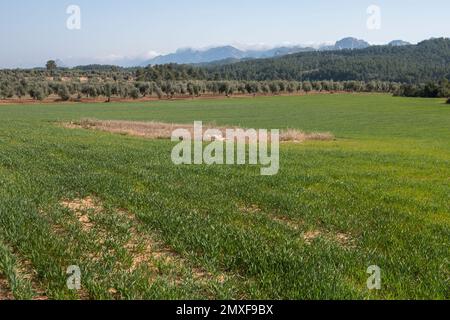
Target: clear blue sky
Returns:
[[32, 32]]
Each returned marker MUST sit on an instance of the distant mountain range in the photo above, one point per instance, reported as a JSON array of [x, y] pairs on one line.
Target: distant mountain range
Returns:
[[231, 54], [227, 54], [192, 56], [397, 61]]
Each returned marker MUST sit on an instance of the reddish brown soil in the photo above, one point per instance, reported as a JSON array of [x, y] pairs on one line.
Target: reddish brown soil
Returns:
[[55, 99]]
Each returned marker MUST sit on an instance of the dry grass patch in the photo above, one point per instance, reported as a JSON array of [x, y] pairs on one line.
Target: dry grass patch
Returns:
[[293, 135], [160, 130], [148, 130], [252, 209]]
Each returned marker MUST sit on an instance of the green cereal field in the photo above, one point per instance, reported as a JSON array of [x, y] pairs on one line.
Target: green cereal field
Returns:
[[139, 227]]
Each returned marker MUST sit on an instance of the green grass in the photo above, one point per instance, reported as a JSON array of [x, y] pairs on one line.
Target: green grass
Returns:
[[385, 183]]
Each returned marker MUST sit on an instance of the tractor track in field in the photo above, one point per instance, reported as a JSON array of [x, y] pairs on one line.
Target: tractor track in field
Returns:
[[145, 251]]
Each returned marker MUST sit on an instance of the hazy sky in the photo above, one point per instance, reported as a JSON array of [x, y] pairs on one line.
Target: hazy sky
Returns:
[[32, 32]]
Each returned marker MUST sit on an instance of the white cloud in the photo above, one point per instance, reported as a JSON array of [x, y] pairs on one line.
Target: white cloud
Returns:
[[253, 46], [150, 54]]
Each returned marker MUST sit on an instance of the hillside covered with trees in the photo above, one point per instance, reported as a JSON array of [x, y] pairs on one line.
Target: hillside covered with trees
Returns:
[[427, 61], [410, 70]]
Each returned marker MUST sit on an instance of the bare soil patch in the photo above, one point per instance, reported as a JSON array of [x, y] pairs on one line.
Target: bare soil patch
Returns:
[[295, 225], [81, 208], [283, 220], [24, 271], [343, 239], [88, 203], [27, 272], [5, 292], [310, 236], [143, 248], [56, 99]]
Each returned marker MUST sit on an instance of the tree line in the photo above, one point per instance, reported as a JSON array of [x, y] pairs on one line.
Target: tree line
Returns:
[[167, 89], [133, 86], [439, 89]]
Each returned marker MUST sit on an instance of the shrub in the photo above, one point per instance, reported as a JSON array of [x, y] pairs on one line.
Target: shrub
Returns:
[[134, 93], [63, 93], [37, 94]]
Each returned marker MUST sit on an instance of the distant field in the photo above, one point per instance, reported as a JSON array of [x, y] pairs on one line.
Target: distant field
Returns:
[[140, 227]]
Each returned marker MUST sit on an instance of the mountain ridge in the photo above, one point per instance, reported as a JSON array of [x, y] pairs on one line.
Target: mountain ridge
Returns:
[[426, 61], [223, 53]]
